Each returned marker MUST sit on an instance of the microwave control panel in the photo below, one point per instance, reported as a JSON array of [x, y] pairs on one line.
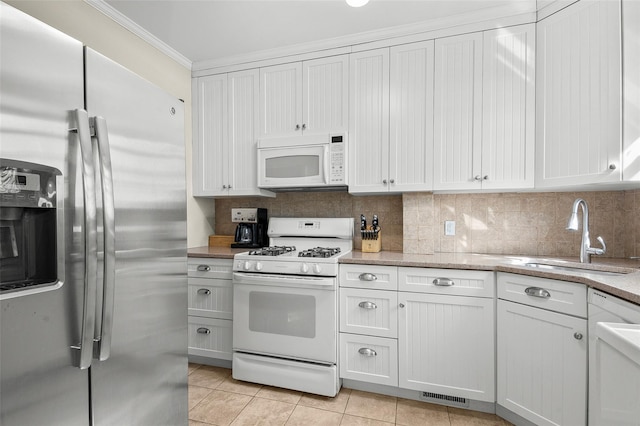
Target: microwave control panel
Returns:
[[337, 160]]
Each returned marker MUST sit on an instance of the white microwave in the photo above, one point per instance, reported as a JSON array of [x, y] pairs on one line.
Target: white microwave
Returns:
[[312, 162]]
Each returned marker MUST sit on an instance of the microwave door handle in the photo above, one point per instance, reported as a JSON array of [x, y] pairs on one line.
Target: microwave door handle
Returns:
[[108, 203], [326, 164], [90, 240]]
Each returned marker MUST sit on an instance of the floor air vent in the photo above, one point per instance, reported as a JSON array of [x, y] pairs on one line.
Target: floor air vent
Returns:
[[444, 399]]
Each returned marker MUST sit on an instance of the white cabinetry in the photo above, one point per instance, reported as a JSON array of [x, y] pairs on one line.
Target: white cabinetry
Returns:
[[446, 337], [391, 120], [224, 155], [210, 308], [579, 95], [368, 324], [491, 72], [542, 351], [304, 97]]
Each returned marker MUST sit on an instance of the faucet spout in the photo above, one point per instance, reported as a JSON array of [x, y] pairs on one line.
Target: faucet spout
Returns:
[[585, 245]]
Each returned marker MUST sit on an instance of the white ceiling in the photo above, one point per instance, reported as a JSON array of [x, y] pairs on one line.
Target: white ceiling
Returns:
[[205, 30]]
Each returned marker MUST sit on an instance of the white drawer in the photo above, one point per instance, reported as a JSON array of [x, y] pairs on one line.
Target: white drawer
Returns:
[[200, 267], [211, 338], [447, 281], [211, 298], [554, 295], [369, 276], [369, 359], [372, 312]]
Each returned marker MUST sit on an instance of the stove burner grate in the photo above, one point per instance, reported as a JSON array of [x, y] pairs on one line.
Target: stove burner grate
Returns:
[[272, 251], [320, 252]]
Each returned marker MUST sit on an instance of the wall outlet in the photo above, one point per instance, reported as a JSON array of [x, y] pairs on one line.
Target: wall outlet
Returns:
[[449, 227]]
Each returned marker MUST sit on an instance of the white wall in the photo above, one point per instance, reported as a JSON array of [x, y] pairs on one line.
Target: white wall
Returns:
[[83, 22]]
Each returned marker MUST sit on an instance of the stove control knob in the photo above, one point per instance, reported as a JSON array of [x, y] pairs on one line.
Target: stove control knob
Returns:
[[258, 266], [316, 268], [246, 266], [304, 268]]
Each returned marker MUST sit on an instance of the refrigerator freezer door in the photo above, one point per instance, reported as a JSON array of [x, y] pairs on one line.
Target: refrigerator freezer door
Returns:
[[41, 84], [143, 382]]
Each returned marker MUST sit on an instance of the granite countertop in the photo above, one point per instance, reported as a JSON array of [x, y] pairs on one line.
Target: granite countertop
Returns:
[[626, 285]]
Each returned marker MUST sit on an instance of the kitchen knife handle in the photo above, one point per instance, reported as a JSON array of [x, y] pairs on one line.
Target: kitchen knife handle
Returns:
[[367, 305], [367, 352], [367, 276], [108, 211], [443, 282], [90, 240]]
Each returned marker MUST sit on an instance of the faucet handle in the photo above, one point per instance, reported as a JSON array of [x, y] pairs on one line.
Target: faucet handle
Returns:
[[598, 251]]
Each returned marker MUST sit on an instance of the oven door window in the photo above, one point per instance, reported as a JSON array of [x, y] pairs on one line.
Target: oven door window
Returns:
[[284, 314]]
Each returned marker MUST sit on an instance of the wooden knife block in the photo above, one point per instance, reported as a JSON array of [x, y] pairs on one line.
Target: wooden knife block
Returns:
[[372, 246]]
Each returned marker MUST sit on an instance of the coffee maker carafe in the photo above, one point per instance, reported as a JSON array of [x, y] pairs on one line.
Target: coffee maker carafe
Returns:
[[251, 231]]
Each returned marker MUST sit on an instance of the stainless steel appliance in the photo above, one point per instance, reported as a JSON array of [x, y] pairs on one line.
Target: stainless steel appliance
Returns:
[[251, 231], [317, 162], [101, 339], [285, 305]]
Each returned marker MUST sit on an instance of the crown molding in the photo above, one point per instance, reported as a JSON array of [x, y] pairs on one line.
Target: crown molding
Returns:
[[136, 29], [498, 16]]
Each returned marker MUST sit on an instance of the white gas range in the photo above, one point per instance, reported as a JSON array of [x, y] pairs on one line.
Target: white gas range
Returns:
[[286, 305]]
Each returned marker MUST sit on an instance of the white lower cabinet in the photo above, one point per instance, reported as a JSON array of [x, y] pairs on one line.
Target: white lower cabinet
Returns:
[[542, 354], [446, 345], [210, 308]]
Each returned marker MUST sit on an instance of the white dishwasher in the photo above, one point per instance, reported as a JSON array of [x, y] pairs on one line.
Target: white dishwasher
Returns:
[[614, 361]]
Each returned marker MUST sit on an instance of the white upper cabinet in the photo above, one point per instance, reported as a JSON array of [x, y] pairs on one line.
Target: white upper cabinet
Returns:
[[304, 97], [210, 165], [225, 158], [458, 112], [508, 107], [369, 121], [411, 117], [579, 95], [391, 133], [485, 110]]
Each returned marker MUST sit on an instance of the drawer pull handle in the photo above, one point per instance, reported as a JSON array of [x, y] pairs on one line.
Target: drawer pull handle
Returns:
[[204, 268], [203, 330], [367, 352], [538, 292], [368, 305], [367, 277], [204, 291], [443, 282]]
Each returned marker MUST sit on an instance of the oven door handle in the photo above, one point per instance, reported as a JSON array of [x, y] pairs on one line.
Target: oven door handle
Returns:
[[324, 283]]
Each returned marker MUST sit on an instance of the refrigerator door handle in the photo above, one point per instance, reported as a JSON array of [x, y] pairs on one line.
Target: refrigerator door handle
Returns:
[[108, 208], [90, 240]]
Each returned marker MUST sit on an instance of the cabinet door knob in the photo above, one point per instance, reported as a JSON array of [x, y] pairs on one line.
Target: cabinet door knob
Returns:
[[367, 277], [304, 126], [204, 291], [577, 335], [203, 330], [368, 305], [485, 177], [367, 352], [224, 186], [204, 268], [612, 166], [384, 181], [297, 127], [477, 178], [392, 181], [402, 305]]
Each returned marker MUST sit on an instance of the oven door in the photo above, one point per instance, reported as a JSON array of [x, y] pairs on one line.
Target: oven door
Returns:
[[293, 166], [285, 316]]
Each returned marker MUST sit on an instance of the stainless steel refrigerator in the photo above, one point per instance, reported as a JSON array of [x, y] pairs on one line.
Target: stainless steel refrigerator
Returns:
[[93, 315]]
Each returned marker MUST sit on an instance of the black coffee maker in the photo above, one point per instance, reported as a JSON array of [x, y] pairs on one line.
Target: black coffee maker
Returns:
[[251, 231]]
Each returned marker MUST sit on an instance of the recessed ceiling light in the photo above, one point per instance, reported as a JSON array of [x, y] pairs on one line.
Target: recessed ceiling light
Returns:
[[357, 3]]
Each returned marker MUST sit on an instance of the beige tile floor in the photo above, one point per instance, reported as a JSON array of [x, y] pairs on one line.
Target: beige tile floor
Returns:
[[215, 398]]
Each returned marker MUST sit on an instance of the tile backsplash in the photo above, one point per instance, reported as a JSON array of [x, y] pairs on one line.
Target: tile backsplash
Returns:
[[506, 223]]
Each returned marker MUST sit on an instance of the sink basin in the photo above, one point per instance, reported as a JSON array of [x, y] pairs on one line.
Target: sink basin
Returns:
[[567, 268]]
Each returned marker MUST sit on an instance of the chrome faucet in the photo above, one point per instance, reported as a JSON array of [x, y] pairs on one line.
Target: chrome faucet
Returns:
[[585, 246]]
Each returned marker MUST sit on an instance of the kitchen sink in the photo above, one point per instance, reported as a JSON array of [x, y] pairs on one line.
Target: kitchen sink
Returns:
[[568, 268]]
